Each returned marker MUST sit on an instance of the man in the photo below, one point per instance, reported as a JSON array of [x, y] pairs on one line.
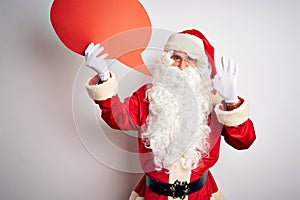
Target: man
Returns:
[[180, 117]]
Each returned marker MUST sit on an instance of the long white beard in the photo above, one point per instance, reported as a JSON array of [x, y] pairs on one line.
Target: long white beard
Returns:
[[179, 105]]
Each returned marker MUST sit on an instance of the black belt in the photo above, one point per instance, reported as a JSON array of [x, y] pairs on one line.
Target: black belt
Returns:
[[178, 188]]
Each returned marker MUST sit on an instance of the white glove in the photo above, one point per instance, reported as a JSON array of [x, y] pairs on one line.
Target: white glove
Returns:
[[97, 63], [225, 81]]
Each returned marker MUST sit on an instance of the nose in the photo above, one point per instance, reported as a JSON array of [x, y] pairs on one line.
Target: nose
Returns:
[[182, 65]]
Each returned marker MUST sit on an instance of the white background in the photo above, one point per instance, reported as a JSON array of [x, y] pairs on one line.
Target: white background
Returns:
[[41, 154]]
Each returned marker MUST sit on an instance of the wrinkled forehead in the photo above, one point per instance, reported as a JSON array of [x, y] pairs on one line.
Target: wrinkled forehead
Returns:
[[180, 53]]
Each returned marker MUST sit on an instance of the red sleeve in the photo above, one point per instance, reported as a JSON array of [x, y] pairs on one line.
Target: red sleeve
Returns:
[[122, 115], [141, 187], [240, 137]]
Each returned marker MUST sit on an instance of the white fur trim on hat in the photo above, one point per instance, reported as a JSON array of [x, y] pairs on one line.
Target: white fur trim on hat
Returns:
[[104, 90], [190, 44], [234, 117]]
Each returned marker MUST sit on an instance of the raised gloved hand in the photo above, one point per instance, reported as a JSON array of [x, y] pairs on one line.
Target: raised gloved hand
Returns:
[[225, 81], [98, 64]]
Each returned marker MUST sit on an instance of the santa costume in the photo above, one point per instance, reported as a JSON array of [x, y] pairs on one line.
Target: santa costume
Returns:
[[179, 121]]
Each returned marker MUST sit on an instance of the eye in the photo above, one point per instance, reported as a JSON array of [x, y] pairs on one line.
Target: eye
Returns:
[[176, 58], [190, 59]]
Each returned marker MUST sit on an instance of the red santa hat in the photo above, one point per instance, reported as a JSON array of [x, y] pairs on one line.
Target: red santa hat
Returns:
[[194, 43]]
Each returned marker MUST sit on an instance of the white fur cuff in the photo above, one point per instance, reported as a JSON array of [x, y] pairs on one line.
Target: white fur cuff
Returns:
[[104, 90], [234, 117], [217, 196], [135, 196]]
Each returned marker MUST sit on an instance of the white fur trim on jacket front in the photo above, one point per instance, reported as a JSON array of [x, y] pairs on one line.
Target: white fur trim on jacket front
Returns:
[[104, 90], [177, 172], [234, 117]]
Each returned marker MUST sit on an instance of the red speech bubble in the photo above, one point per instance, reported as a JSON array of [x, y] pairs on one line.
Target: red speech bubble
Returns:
[[122, 27]]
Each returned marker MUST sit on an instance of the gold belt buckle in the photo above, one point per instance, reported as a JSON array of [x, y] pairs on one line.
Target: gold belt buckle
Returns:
[[179, 189]]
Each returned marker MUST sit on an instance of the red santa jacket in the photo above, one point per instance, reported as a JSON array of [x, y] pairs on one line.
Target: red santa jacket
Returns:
[[235, 126]]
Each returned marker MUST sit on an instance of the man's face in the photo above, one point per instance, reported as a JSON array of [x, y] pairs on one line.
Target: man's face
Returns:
[[182, 60]]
